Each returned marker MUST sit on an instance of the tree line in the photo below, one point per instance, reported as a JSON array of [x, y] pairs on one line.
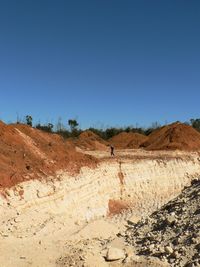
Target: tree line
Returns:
[[74, 130]]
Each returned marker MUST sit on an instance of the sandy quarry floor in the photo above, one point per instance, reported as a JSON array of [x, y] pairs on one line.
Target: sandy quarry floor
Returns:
[[48, 240], [38, 238], [60, 242]]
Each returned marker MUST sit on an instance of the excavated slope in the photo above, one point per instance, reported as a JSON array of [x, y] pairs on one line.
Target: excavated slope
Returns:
[[141, 185], [28, 153]]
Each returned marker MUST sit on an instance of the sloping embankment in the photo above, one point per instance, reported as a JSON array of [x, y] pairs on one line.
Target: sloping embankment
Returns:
[[142, 185]]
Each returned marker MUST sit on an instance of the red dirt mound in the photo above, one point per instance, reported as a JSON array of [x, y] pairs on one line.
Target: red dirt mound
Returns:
[[88, 140], [173, 136], [127, 140], [28, 153]]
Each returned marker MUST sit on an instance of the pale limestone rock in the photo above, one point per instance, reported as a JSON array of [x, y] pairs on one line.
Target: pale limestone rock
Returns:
[[114, 254]]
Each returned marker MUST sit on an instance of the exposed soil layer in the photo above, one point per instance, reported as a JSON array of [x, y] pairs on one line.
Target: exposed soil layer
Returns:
[[127, 140], [117, 206], [28, 153], [173, 232], [173, 136], [90, 141], [63, 221]]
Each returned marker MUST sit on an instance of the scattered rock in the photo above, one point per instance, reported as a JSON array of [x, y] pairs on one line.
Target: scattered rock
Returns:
[[133, 219], [151, 247], [114, 254], [173, 232], [169, 250], [175, 254]]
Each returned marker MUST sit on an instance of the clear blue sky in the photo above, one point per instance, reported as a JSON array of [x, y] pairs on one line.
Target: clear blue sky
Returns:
[[103, 62]]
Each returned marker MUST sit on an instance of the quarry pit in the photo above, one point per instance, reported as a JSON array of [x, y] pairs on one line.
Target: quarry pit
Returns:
[[41, 216]]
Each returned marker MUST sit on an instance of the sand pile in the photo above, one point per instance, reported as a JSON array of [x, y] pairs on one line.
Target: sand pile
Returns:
[[127, 140], [172, 233], [88, 140], [173, 136], [28, 153]]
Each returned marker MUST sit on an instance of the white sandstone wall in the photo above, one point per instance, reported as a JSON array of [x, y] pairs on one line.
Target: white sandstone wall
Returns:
[[144, 184]]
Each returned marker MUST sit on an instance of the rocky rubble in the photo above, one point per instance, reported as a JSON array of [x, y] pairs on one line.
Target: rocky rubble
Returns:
[[172, 233]]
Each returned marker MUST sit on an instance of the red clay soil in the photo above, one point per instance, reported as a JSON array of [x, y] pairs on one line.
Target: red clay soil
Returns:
[[27, 153], [116, 207], [90, 141], [174, 136], [127, 140]]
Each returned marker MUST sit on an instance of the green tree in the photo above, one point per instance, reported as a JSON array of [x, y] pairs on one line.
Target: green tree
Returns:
[[195, 124], [47, 128], [50, 127], [29, 120], [73, 125]]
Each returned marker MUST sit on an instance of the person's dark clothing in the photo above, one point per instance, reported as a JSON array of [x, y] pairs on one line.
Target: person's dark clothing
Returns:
[[112, 150]]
